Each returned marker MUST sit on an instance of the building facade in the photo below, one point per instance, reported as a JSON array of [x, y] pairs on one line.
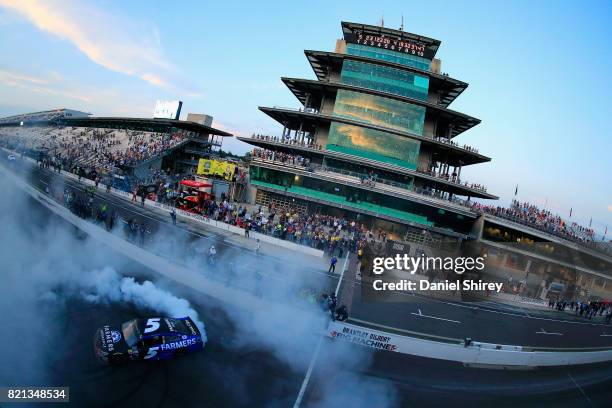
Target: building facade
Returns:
[[373, 139], [199, 146]]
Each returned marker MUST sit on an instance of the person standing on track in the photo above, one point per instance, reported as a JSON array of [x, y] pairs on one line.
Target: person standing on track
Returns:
[[231, 273], [257, 247], [142, 230], [258, 282], [173, 216], [332, 302], [332, 265], [341, 313], [112, 219], [212, 253]]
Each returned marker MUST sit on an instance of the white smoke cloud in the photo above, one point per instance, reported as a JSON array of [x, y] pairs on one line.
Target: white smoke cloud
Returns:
[[107, 286], [44, 262]]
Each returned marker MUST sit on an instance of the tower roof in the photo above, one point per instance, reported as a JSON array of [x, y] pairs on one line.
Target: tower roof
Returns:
[[394, 40]]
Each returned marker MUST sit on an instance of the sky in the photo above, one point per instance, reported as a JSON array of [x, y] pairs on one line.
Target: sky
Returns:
[[539, 74]]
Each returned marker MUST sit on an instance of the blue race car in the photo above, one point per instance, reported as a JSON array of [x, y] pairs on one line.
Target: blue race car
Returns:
[[154, 338]]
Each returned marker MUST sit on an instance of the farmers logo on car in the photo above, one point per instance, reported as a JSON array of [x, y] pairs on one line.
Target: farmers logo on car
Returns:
[[178, 344], [116, 336]]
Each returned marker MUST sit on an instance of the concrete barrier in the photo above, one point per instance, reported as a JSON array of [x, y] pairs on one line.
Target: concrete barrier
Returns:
[[481, 354], [237, 230]]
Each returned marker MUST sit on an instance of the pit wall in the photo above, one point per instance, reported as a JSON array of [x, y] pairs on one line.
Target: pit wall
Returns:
[[480, 354]]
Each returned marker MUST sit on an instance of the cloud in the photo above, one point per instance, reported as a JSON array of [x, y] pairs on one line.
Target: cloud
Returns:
[[154, 79], [17, 78], [221, 126], [40, 85], [111, 41], [56, 76]]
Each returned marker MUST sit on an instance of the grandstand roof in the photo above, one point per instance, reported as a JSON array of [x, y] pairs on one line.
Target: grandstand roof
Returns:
[[147, 124], [42, 116]]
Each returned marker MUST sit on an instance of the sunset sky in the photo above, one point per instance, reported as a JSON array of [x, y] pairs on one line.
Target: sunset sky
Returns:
[[539, 74]]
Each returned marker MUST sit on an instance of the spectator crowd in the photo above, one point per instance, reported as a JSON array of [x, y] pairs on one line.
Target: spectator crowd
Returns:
[[585, 309], [89, 148], [534, 216], [285, 158]]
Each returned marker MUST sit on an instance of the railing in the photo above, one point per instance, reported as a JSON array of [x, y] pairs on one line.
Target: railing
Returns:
[[376, 183], [454, 144], [456, 180], [287, 141], [306, 110], [364, 178], [443, 140], [317, 147], [201, 152]]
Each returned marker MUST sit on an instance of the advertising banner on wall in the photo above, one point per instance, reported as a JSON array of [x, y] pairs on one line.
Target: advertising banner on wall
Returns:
[[211, 167], [364, 337]]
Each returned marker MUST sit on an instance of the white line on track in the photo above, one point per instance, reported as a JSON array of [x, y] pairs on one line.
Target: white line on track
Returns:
[[545, 332], [581, 390], [342, 274], [298, 400], [517, 314], [420, 314], [315, 355], [524, 311], [605, 335]]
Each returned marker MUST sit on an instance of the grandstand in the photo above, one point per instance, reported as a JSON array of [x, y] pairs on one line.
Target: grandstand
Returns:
[[131, 146], [92, 147]]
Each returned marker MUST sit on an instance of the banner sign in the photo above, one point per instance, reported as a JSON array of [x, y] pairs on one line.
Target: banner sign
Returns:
[[211, 167], [363, 337]]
